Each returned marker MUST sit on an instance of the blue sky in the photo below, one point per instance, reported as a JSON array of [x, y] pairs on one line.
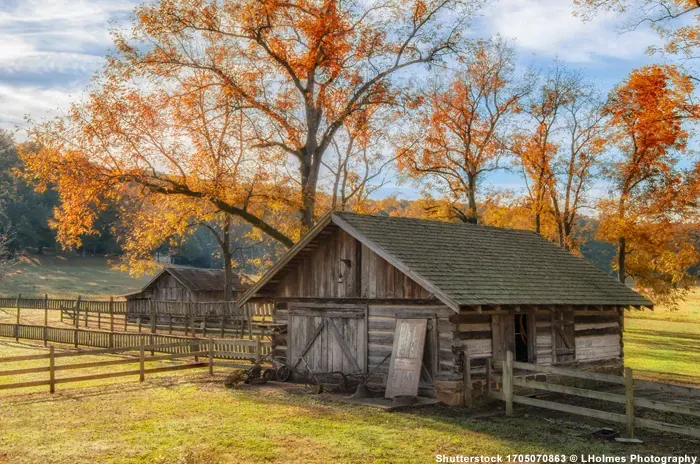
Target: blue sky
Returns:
[[49, 49]]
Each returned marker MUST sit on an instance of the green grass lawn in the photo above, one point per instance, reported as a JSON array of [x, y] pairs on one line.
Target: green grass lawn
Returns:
[[665, 345], [67, 277], [187, 418]]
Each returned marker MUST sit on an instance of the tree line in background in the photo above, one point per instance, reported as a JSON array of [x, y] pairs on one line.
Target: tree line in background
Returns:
[[246, 121]]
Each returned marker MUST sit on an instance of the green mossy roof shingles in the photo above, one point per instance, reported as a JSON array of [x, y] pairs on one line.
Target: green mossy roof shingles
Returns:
[[478, 265]]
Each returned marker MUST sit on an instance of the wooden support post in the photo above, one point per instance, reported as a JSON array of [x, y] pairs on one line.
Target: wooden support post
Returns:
[[629, 394], [204, 325], [250, 321], [86, 315], [467, 382], [194, 328], [152, 308], [52, 370], [46, 318], [258, 350], [211, 355], [488, 377], [508, 382], [111, 339], [76, 312], [187, 318], [142, 359], [17, 325], [99, 319], [75, 337], [111, 315], [170, 324], [151, 342], [138, 319], [223, 325]]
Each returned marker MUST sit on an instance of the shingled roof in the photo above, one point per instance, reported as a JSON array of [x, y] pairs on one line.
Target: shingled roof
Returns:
[[466, 264], [198, 279]]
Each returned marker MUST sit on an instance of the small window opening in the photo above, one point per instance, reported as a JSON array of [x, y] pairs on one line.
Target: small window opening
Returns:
[[522, 353]]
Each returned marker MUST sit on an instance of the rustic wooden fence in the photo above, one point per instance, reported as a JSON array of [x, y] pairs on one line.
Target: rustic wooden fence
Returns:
[[222, 318], [233, 349], [142, 359], [142, 306], [508, 381]]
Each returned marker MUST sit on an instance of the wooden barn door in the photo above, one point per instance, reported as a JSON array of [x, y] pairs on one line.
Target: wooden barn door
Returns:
[[503, 335], [563, 337], [406, 357], [329, 339]]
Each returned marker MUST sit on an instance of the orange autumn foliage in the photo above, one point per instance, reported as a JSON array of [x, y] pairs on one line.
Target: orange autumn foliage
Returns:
[[461, 126], [655, 196]]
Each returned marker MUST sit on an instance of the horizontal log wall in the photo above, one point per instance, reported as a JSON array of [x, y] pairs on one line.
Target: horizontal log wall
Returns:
[[598, 335]]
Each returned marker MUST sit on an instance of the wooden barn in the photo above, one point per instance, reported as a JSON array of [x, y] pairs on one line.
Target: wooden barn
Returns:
[[454, 293], [175, 283]]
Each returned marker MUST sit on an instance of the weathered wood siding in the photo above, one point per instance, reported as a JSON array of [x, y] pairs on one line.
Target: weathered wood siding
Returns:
[[167, 288], [597, 335], [341, 267], [381, 323]]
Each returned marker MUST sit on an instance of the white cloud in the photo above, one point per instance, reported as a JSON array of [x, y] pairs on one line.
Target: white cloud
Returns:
[[49, 49], [18, 101], [548, 27]]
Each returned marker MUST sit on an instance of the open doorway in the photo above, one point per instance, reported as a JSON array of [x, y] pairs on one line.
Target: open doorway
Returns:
[[522, 338]]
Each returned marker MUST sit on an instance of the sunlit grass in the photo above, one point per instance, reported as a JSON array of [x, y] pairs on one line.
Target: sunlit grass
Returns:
[[664, 344], [67, 277], [194, 418]]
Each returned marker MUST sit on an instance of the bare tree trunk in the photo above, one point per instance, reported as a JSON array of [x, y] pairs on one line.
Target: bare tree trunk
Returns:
[[621, 252], [473, 215]]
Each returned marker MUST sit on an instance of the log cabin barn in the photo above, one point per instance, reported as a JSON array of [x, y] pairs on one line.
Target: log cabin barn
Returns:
[[422, 302], [175, 283]]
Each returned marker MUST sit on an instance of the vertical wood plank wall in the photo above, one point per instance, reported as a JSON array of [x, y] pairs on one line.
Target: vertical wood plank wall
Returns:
[[342, 267]]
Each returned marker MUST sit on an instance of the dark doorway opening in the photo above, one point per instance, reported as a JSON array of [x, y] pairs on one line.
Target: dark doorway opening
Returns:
[[522, 345]]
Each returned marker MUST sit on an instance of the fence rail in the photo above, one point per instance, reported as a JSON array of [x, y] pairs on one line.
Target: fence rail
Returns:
[[629, 399], [141, 306], [142, 359], [249, 350]]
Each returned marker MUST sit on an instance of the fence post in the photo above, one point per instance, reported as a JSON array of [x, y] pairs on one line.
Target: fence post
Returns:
[[19, 296], [188, 309], [629, 394], [250, 321], [52, 370], [194, 329], [508, 382], [76, 312], [75, 337], [152, 310], [211, 355], [467, 382], [142, 374], [111, 316], [150, 341], [46, 316], [488, 377], [258, 350], [111, 339]]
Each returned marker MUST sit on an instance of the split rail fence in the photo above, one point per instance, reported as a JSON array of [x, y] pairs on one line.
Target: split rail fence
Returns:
[[508, 381], [177, 351]]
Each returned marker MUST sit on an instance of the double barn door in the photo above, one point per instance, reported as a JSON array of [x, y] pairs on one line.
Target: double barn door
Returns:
[[328, 338]]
